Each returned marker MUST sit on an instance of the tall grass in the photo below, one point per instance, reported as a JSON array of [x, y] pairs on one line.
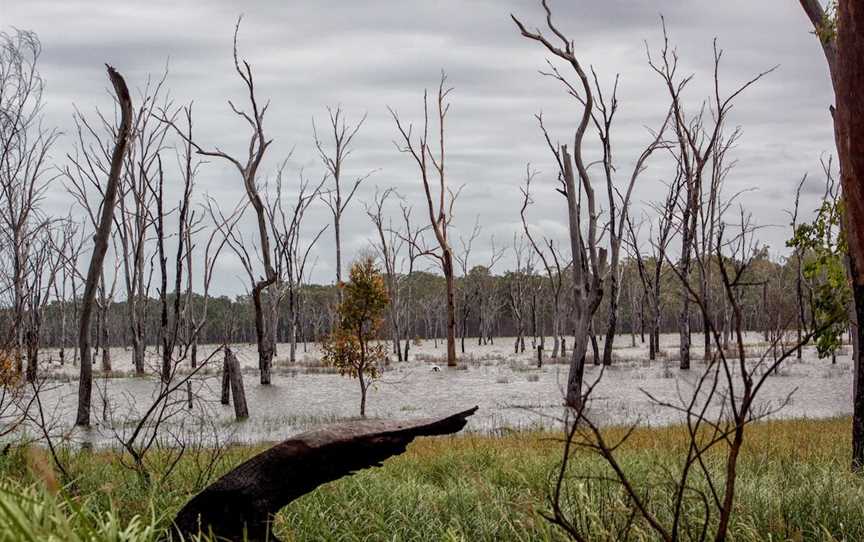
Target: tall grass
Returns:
[[33, 514], [794, 484]]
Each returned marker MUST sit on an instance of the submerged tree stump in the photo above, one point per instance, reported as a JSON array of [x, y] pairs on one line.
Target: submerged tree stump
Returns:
[[246, 498], [235, 377]]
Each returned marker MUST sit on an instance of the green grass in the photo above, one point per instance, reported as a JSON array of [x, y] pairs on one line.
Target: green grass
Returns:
[[794, 484]]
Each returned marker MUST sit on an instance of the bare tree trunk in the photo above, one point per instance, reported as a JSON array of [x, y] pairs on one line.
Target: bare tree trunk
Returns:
[[248, 169], [683, 293], [451, 307], [595, 349], [292, 326], [225, 397], [441, 214], [633, 312], [32, 357], [106, 347], [138, 353], [612, 322], [706, 307], [241, 411], [263, 337], [556, 340], [100, 247]]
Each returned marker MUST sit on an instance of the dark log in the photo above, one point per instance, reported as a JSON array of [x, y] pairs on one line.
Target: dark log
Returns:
[[247, 497]]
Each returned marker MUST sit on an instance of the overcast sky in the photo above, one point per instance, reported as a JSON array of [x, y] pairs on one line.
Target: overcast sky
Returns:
[[366, 55]]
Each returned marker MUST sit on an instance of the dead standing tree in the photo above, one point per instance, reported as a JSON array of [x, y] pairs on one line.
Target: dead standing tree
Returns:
[[134, 222], [24, 147], [89, 164], [193, 317], [66, 284], [291, 254], [464, 293], [337, 199], [798, 256], [651, 269], [100, 246], [388, 245], [518, 284], [618, 203], [248, 171], [552, 263], [405, 287], [589, 260], [440, 207], [698, 141], [41, 274], [473, 278], [702, 488]]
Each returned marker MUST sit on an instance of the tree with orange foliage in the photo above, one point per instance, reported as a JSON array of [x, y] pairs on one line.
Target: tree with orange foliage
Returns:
[[349, 347]]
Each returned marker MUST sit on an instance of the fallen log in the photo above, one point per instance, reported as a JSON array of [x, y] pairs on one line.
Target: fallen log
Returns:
[[241, 504]]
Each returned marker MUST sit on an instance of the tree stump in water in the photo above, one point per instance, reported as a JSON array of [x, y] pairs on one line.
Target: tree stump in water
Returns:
[[235, 377], [246, 498]]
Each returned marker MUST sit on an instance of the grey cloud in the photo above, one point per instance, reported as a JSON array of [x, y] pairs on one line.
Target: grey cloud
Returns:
[[368, 55]]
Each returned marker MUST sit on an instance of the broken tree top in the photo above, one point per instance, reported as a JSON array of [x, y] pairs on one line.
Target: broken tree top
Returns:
[[249, 495]]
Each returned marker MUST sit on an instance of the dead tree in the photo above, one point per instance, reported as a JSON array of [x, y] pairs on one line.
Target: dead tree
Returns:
[[192, 317], [242, 503], [178, 336], [405, 292], [133, 221], [466, 295], [440, 205], [798, 256], [66, 283], [517, 287], [489, 304], [618, 203], [843, 44], [715, 420], [697, 138], [388, 246], [553, 263], [333, 159], [24, 178], [100, 246], [41, 273], [709, 212], [248, 171], [393, 241], [171, 320], [292, 254], [474, 291], [589, 260], [89, 164]]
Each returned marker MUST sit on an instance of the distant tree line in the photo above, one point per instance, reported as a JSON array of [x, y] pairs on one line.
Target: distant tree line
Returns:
[[496, 310]]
